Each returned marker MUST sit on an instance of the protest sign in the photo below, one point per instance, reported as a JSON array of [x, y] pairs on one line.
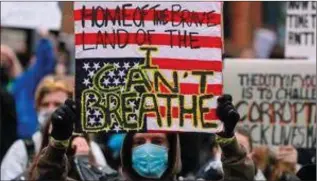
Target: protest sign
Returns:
[[31, 15], [148, 66], [301, 20], [275, 98]]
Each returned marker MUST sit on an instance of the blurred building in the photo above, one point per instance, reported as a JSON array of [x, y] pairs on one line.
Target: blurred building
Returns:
[[242, 19]]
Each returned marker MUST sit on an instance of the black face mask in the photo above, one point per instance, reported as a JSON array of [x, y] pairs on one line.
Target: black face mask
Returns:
[[4, 76]]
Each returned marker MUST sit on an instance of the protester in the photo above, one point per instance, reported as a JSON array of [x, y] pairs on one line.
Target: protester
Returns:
[[145, 156], [274, 169], [24, 86], [244, 138], [51, 93], [83, 153]]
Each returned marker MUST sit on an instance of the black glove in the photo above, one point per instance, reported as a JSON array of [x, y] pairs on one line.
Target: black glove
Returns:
[[227, 114], [63, 120]]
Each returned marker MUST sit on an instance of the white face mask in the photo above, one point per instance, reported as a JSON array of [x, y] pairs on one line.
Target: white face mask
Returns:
[[215, 163], [43, 116]]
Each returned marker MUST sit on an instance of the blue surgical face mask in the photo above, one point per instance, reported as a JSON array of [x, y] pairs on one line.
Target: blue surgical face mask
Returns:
[[149, 160]]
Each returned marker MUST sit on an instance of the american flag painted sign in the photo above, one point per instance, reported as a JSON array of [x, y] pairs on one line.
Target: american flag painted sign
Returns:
[[148, 66]]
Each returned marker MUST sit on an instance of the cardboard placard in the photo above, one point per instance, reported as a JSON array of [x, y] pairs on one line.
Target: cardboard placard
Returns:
[[148, 66], [31, 15], [276, 99], [301, 29]]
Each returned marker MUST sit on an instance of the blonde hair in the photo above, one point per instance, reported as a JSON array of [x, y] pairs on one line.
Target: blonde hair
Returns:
[[52, 83]]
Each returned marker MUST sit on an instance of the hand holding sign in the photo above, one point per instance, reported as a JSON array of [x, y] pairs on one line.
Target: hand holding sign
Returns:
[[227, 114], [63, 120]]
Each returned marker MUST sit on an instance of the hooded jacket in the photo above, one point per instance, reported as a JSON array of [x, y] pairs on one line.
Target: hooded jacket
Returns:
[[52, 164], [174, 159]]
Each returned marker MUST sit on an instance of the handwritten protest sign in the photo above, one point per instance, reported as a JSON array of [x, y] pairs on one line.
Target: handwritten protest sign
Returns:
[[301, 35], [148, 66], [276, 99]]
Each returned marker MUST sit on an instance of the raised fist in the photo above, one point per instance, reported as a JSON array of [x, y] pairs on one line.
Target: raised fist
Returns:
[[227, 113], [63, 120]]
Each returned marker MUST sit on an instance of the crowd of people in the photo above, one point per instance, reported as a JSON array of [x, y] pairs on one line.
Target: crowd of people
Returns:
[[38, 140]]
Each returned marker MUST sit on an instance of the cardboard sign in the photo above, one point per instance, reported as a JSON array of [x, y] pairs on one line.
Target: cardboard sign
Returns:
[[31, 15], [301, 37], [276, 99], [148, 66]]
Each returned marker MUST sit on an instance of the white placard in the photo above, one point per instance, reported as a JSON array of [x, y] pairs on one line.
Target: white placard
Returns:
[[276, 99], [301, 20], [31, 15]]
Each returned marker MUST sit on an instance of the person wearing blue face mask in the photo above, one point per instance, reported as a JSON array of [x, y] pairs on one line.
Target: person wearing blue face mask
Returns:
[[149, 156]]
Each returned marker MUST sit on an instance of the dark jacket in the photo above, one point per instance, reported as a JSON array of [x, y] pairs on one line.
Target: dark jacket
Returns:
[[52, 164], [8, 121]]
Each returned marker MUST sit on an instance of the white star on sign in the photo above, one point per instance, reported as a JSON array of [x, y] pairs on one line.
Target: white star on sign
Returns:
[[132, 119], [96, 66], [88, 113], [105, 64], [116, 65], [111, 74], [92, 120], [148, 102], [132, 104], [121, 73], [112, 105], [136, 65], [126, 65], [116, 81], [86, 82], [106, 82], [91, 104], [86, 66], [91, 73], [97, 113], [117, 128]]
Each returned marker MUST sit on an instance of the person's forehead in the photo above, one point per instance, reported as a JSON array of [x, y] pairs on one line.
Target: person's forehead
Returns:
[[59, 96], [149, 135]]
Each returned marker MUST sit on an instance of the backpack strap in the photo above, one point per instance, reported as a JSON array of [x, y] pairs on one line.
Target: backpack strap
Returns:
[[30, 148]]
